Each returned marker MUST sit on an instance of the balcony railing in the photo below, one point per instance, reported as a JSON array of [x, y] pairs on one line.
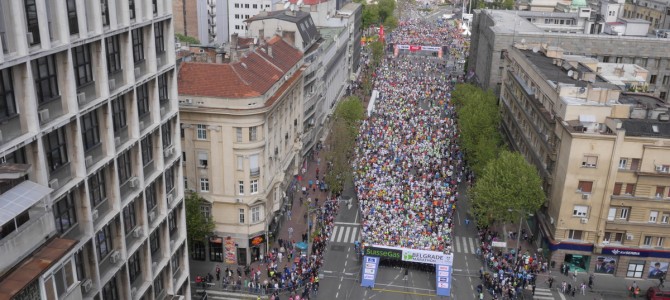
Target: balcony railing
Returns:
[[120, 137], [161, 60], [93, 155], [140, 69], [86, 93], [165, 107], [149, 169], [10, 129], [50, 110], [115, 81], [145, 121], [60, 177], [255, 172]]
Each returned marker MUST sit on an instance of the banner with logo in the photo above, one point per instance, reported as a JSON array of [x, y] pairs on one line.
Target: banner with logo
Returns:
[[427, 257], [605, 264], [658, 269], [443, 278], [231, 251], [370, 265]]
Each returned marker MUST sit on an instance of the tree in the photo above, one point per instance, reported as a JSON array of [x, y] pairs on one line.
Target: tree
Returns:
[[198, 228], [186, 39], [508, 4], [344, 131], [377, 48], [508, 187], [390, 23], [386, 8], [370, 15]]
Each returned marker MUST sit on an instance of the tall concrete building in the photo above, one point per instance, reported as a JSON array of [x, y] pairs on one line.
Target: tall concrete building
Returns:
[[241, 124], [205, 20], [602, 153], [91, 204]]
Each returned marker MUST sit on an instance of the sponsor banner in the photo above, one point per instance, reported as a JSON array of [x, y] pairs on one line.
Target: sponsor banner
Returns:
[[257, 240], [499, 244], [605, 264], [417, 48], [410, 255], [402, 47], [430, 48], [386, 253], [443, 280], [369, 271], [658, 269], [414, 48], [636, 252]]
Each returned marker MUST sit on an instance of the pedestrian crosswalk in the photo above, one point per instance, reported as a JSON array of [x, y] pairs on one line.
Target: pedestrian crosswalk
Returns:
[[543, 294], [344, 234], [462, 244]]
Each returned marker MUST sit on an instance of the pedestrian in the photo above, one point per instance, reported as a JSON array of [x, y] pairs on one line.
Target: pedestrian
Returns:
[[288, 214], [533, 290], [591, 282], [660, 282], [583, 288], [290, 232], [574, 276], [218, 272]]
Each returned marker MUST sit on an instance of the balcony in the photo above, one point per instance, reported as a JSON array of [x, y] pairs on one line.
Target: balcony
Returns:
[[93, 155], [50, 110], [115, 81], [149, 170], [255, 172], [140, 69], [134, 238], [86, 94], [169, 153], [120, 137], [59, 177], [161, 60], [129, 187], [99, 212], [109, 264], [165, 107], [10, 128]]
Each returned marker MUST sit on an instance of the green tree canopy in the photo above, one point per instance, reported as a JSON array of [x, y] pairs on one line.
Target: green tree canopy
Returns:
[[377, 48], [508, 188], [198, 228], [370, 15], [186, 39], [344, 131], [508, 4], [386, 8]]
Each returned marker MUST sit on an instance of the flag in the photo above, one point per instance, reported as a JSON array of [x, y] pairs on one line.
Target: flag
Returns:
[[381, 32]]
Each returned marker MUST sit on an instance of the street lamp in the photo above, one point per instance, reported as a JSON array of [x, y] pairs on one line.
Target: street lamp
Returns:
[[518, 233]]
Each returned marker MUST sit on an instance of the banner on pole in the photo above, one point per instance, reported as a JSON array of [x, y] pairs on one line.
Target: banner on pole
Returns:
[[443, 278], [370, 265]]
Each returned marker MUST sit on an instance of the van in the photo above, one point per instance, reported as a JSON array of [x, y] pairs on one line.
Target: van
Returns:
[[654, 293]]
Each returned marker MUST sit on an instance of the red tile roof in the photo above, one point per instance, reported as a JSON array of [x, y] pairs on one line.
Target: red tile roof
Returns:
[[308, 2], [251, 76]]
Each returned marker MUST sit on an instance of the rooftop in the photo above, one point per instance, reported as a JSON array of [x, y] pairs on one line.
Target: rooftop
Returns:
[[302, 19], [252, 76], [646, 128], [559, 74]]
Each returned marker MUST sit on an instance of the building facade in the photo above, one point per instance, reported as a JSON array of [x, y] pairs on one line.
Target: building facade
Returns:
[[91, 204], [241, 124], [599, 150], [206, 20]]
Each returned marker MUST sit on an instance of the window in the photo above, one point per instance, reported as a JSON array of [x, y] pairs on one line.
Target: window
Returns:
[[240, 162], [580, 211], [113, 54], [652, 79], [647, 241], [72, 16], [204, 184], [46, 78], [201, 131], [623, 213], [134, 267], [663, 95], [172, 221], [589, 161], [166, 134], [90, 130], [110, 290], [246, 5], [147, 145], [119, 113], [252, 133], [7, 97], [169, 180], [254, 170], [143, 100], [238, 134], [129, 218], [630, 187], [623, 162], [150, 195], [606, 59], [154, 241], [97, 189], [32, 23], [660, 241], [202, 159], [81, 57], [574, 234], [255, 6], [585, 186], [138, 45], [65, 214], [634, 164], [103, 242], [186, 183], [617, 188], [160, 40], [237, 16], [653, 216], [240, 185], [154, 5], [55, 147], [237, 5], [241, 216], [206, 211], [163, 88], [79, 264], [158, 284], [125, 169], [618, 59], [255, 214], [666, 79], [665, 218], [660, 191], [104, 9], [613, 237], [253, 186], [635, 269], [131, 9]]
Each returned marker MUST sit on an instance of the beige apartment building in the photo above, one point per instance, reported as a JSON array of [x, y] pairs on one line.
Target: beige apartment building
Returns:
[[241, 123], [604, 155]]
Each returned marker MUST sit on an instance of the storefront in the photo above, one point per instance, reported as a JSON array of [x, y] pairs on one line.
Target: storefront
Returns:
[[635, 263], [216, 248], [257, 246]]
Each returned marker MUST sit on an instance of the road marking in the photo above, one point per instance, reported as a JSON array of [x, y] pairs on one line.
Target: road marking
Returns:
[[465, 245], [457, 245], [472, 245], [353, 234], [349, 274], [337, 294], [339, 234], [457, 270], [345, 223], [327, 272], [332, 237], [404, 292], [346, 234], [405, 287]]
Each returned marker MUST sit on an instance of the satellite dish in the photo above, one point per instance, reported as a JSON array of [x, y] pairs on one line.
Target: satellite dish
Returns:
[[582, 90], [570, 73], [536, 49], [287, 4]]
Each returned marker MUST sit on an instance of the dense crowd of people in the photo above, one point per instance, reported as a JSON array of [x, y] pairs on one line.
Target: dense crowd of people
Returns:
[[408, 163]]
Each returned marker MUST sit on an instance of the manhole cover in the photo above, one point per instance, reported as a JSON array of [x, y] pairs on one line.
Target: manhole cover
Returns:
[[337, 248]]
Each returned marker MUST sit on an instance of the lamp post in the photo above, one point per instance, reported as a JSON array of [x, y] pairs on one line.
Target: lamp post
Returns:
[[518, 233]]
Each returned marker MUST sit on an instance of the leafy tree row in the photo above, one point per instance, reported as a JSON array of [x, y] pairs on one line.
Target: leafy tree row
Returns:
[[198, 228], [186, 39], [378, 13], [344, 130]]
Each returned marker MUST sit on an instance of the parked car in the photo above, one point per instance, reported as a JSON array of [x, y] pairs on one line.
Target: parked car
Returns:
[[654, 293]]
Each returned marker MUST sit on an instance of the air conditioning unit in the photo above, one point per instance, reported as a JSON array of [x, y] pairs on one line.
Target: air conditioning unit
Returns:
[[87, 285], [172, 243], [94, 214], [162, 111], [170, 197], [152, 216], [138, 232], [115, 257], [138, 72], [189, 101], [112, 84], [168, 151], [88, 160], [134, 182], [159, 61], [53, 183], [43, 115], [586, 196], [117, 141], [141, 124], [81, 98], [133, 293], [154, 265], [584, 220], [629, 237]]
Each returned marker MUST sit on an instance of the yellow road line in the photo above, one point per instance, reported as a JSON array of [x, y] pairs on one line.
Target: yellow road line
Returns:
[[404, 292]]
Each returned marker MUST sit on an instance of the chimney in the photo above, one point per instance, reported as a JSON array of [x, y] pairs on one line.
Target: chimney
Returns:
[[270, 51], [219, 58], [233, 47]]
